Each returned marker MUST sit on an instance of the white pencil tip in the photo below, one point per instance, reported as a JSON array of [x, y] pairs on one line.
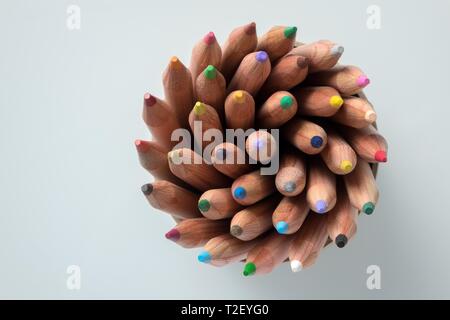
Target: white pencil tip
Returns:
[[296, 266], [337, 50]]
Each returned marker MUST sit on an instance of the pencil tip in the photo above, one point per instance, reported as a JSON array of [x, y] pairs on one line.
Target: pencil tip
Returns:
[[296, 266], [368, 208], [337, 50], [336, 101], [173, 235], [346, 166], [147, 189], [175, 62], [370, 116], [261, 56], [174, 156], [316, 142], [239, 193], [141, 145], [250, 28], [239, 96], [221, 154], [210, 72], [282, 227], [321, 206], [235, 231], [302, 62], [249, 269], [286, 102], [199, 108], [341, 241], [289, 186], [204, 205], [209, 38], [289, 32], [149, 100], [362, 81], [204, 257], [381, 156]]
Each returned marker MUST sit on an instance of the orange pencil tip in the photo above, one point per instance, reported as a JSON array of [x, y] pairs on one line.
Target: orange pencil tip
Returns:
[[175, 62]]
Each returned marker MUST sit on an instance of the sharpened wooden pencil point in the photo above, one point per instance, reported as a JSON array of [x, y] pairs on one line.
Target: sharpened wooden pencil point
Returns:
[[381, 156]]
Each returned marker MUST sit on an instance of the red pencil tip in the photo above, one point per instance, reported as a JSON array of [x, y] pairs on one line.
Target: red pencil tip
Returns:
[[173, 235], [149, 100], [250, 28], [141, 145], [209, 38], [381, 156]]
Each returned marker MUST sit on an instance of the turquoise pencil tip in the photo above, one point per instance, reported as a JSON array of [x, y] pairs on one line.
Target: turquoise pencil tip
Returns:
[[282, 227], [204, 257]]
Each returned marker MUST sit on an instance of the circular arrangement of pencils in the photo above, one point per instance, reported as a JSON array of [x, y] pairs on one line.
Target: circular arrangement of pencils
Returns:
[[300, 111]]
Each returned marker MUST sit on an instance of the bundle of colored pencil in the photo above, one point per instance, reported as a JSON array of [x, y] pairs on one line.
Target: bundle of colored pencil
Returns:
[[328, 143]]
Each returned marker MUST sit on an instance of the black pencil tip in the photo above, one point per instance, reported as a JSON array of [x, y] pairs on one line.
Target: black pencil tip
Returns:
[[147, 189], [341, 241]]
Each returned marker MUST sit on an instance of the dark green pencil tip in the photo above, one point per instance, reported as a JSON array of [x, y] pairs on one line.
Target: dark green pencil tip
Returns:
[[368, 208], [249, 269], [210, 72], [204, 205], [286, 102], [290, 32]]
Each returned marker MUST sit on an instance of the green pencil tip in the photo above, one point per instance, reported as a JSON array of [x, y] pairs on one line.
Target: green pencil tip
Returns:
[[204, 205], [286, 102], [249, 269], [368, 208], [210, 72], [290, 32]]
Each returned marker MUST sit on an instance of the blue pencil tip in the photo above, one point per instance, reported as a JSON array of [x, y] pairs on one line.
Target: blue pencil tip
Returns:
[[316, 141], [204, 257], [321, 206], [282, 227], [240, 193]]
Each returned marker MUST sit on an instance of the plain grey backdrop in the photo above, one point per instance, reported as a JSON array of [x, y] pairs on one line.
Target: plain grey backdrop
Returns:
[[70, 106]]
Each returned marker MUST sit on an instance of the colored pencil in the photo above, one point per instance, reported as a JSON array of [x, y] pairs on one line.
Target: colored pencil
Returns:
[[225, 249], [318, 101], [192, 233], [291, 176], [261, 146], [277, 110], [173, 199], [341, 220], [367, 143], [278, 41], [252, 221], [206, 52], [178, 89], [191, 168], [230, 160], [348, 80], [321, 187], [288, 72], [251, 73], [355, 112], [240, 42], [239, 110], [361, 187], [308, 242], [217, 204], [153, 158], [210, 87], [209, 119], [288, 216], [160, 120], [268, 254], [305, 135], [252, 187], [322, 54], [338, 155]]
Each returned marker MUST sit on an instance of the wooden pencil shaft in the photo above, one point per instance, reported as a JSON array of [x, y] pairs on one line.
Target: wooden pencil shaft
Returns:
[[291, 177], [278, 41], [278, 109], [239, 110], [318, 101], [230, 160], [338, 155], [305, 135], [192, 233], [252, 187], [218, 204], [321, 187], [322, 54], [290, 213]]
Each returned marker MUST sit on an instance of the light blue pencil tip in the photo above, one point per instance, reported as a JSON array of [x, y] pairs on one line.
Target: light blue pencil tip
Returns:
[[204, 257], [282, 227]]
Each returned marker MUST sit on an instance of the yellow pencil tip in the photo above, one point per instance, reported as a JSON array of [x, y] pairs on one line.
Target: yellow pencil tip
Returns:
[[199, 108], [239, 96], [336, 101], [346, 166]]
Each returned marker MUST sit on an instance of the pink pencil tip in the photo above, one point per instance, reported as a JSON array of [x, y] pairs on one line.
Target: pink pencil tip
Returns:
[[381, 156], [149, 99], [173, 235], [363, 81], [209, 38], [141, 145]]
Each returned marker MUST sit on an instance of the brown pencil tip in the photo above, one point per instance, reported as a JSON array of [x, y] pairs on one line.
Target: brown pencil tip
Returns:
[[149, 100], [250, 29], [236, 231], [302, 62], [147, 189]]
